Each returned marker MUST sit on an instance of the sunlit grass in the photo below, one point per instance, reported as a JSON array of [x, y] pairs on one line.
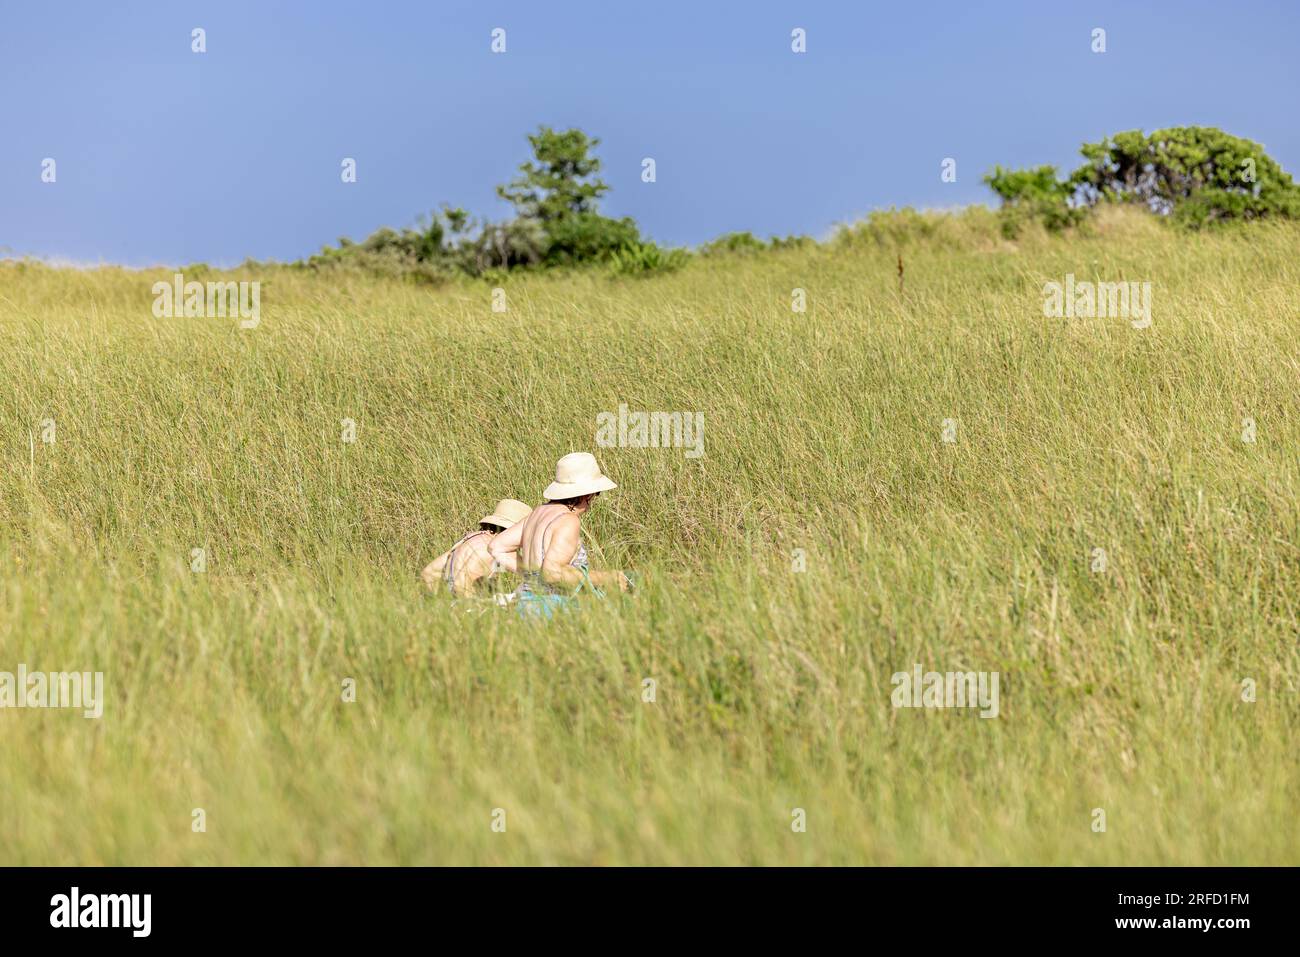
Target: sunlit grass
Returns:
[[1120, 690]]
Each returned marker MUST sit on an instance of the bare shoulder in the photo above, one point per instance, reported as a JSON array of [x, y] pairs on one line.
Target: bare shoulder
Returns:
[[564, 531], [568, 522]]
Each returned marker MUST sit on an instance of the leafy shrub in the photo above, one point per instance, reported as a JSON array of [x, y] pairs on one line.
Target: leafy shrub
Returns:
[[1033, 194], [386, 252], [512, 244], [587, 238], [556, 223], [645, 259], [419, 254], [791, 242], [1194, 175], [728, 243], [1197, 175], [747, 243]]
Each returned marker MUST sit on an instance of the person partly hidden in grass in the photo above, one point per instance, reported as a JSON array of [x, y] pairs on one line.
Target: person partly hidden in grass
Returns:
[[467, 563], [546, 548]]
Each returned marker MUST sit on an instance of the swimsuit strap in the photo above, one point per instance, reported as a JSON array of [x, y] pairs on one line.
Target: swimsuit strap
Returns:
[[580, 553], [545, 529], [533, 579], [586, 580], [450, 574]]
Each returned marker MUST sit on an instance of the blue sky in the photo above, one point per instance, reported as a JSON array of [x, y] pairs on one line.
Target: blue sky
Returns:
[[168, 156]]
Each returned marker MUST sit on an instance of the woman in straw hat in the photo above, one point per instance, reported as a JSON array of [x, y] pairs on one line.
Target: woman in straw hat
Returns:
[[468, 562], [546, 548]]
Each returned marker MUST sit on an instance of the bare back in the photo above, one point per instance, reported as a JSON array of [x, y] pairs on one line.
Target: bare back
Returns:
[[463, 565], [471, 562], [550, 535], [546, 549]]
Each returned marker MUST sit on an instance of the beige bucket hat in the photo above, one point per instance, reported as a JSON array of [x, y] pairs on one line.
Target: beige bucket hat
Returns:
[[507, 512], [577, 474]]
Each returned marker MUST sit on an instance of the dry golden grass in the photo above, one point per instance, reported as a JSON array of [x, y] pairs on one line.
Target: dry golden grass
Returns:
[[1120, 690]]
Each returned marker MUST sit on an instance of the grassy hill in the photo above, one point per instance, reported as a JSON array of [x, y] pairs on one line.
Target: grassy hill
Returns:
[[1121, 689]]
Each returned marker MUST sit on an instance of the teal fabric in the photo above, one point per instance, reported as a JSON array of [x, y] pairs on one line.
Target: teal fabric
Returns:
[[537, 598], [536, 605]]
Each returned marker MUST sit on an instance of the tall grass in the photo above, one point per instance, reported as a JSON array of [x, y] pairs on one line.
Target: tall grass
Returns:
[[1120, 690]]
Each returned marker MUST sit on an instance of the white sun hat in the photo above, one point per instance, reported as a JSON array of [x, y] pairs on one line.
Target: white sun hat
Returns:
[[577, 474], [507, 512]]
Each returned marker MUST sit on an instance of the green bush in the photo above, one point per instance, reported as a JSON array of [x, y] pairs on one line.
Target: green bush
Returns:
[[420, 254], [587, 238], [386, 252], [646, 259], [1197, 175], [791, 242], [513, 244], [746, 243], [729, 243], [1033, 194], [1194, 175], [556, 223]]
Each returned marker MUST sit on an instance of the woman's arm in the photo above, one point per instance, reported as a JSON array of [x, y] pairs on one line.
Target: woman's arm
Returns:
[[563, 545], [504, 547], [614, 579]]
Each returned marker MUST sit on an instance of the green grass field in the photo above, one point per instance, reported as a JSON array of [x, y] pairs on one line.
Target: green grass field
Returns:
[[1121, 689]]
